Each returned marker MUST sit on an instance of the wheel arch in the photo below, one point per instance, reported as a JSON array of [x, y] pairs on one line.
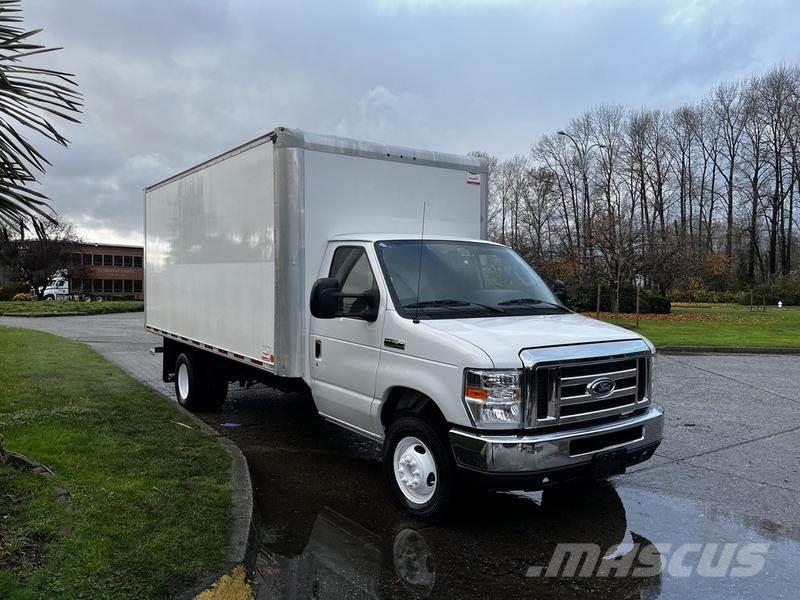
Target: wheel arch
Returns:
[[402, 401]]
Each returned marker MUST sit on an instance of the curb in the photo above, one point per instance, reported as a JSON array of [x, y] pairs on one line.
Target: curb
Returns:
[[243, 533], [65, 314], [42, 315], [724, 350]]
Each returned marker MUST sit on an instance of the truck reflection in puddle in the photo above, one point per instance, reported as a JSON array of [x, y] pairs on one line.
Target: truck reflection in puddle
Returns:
[[344, 560], [316, 543]]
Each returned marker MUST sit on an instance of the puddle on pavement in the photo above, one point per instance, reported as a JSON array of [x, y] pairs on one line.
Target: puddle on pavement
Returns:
[[328, 529]]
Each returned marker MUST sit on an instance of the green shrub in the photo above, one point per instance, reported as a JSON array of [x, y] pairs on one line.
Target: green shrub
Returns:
[[709, 296], [787, 290], [658, 304], [584, 299]]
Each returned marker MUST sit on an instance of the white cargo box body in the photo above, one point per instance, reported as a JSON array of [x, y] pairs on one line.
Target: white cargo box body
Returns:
[[233, 246]]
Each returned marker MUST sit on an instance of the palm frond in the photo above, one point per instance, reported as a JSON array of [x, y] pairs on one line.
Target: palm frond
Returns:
[[29, 98]]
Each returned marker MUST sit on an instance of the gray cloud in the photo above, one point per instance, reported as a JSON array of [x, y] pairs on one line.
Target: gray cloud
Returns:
[[168, 84]]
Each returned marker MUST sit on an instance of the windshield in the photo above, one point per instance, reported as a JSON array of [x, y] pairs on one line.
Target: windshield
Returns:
[[468, 278]]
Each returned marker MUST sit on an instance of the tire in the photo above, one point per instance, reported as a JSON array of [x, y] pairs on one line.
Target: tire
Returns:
[[198, 387], [49, 297], [189, 382], [419, 468]]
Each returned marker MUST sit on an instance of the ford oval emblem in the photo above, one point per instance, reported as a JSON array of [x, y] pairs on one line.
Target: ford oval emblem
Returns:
[[600, 388]]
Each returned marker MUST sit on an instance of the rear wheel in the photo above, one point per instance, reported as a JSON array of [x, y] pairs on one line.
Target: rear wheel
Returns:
[[188, 383], [198, 387], [420, 470]]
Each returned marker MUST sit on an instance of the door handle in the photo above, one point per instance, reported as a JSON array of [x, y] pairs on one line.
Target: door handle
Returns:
[[317, 348], [392, 343]]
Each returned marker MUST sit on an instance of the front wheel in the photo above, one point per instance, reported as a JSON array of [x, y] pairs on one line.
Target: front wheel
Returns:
[[419, 467]]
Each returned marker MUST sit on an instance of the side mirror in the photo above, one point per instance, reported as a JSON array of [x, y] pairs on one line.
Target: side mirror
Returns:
[[370, 313], [324, 301], [560, 291], [325, 298]]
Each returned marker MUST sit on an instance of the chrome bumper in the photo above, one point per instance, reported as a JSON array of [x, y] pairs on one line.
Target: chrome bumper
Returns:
[[521, 454]]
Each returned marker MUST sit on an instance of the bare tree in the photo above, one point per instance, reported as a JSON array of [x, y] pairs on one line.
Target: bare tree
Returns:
[[705, 192]]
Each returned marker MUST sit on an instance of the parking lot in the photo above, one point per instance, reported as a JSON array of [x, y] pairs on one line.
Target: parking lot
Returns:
[[728, 471]]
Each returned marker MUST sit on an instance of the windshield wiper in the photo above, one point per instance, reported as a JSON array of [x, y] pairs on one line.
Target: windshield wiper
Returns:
[[453, 304], [528, 301]]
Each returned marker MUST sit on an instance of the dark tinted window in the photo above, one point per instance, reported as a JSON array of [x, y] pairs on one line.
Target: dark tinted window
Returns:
[[351, 267], [473, 278]]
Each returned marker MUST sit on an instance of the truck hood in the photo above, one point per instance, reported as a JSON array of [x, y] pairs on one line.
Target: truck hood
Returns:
[[502, 338]]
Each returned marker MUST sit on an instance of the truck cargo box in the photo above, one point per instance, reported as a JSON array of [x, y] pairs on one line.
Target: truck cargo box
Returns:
[[233, 245]]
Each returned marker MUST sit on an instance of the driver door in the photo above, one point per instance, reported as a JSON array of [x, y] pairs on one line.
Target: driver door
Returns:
[[345, 351]]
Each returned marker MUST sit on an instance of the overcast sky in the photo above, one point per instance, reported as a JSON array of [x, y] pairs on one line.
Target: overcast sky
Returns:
[[168, 83]]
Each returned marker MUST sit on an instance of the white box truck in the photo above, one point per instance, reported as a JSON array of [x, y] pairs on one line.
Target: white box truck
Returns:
[[302, 260]]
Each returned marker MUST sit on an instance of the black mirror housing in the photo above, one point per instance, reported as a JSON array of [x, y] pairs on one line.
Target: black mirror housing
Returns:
[[370, 313], [560, 291], [324, 301], [325, 298]]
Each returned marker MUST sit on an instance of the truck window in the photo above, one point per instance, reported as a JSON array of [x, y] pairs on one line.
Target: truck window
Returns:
[[351, 267], [468, 279]]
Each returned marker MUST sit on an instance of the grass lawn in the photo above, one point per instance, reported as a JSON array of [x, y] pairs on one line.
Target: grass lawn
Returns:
[[70, 306], [722, 325], [138, 506]]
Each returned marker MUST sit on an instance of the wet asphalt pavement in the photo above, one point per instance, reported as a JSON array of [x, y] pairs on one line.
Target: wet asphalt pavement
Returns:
[[727, 475]]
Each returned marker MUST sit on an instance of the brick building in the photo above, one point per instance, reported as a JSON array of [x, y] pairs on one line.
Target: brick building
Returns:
[[108, 271]]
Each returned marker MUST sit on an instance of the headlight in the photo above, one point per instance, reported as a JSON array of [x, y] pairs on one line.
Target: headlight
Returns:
[[493, 398]]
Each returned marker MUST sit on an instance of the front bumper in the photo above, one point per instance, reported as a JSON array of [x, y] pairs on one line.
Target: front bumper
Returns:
[[568, 451]]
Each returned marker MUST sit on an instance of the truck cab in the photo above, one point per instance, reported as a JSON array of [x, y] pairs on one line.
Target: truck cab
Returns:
[[57, 288], [458, 357]]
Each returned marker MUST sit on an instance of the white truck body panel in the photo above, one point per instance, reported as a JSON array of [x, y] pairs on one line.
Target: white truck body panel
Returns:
[[233, 245], [210, 259]]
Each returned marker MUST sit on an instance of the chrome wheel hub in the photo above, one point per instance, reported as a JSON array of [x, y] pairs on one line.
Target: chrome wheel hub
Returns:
[[415, 470], [183, 381]]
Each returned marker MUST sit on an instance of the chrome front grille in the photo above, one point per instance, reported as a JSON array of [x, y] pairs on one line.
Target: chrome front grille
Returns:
[[584, 389]]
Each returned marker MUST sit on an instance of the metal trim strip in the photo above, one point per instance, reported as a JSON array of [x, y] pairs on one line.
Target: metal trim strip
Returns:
[[263, 365]]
